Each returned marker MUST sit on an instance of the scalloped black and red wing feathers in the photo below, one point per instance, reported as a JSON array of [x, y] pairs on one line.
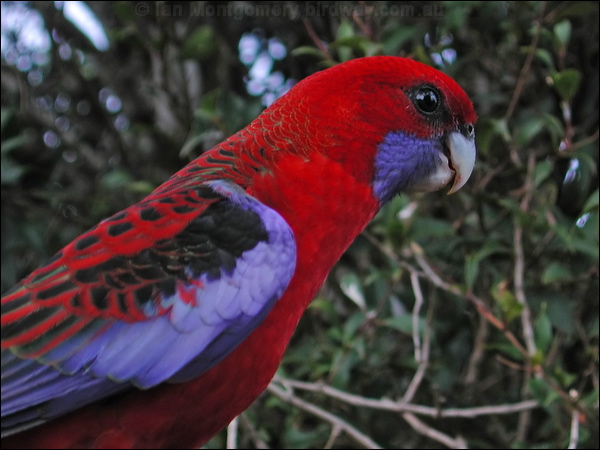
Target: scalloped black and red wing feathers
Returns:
[[148, 273]]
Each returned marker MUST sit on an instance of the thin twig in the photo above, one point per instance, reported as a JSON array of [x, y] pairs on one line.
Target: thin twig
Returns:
[[481, 307], [478, 350], [232, 433], [335, 432], [414, 280], [583, 142], [434, 434], [526, 66], [313, 35], [389, 253], [574, 435], [386, 404], [421, 353], [479, 304], [249, 427], [519, 270], [367, 30], [519, 283], [288, 396]]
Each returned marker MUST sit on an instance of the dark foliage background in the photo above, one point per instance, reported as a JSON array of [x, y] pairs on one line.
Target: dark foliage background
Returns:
[[468, 320]]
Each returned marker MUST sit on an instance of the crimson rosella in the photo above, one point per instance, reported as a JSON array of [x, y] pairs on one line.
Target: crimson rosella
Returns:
[[162, 323]]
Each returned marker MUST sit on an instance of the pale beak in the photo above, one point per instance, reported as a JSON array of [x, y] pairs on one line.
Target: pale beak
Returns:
[[455, 164], [462, 158]]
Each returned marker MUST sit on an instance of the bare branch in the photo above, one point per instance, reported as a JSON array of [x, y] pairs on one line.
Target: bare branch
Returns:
[[478, 351], [386, 404], [432, 275], [434, 434], [414, 279], [526, 66], [249, 427], [335, 421], [574, 437], [519, 272], [232, 433], [421, 354], [519, 282], [313, 35], [335, 432]]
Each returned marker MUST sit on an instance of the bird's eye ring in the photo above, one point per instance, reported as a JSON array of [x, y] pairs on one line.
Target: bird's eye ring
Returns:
[[427, 100]]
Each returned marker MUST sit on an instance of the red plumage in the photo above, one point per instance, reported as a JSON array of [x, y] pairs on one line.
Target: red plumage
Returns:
[[314, 158]]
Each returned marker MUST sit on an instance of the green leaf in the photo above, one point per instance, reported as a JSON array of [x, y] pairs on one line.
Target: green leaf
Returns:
[[556, 272], [591, 400], [539, 389], [10, 144], [352, 325], [542, 171], [510, 307], [371, 48], [341, 367], [487, 131], [297, 438], [473, 261], [506, 348], [543, 331], [591, 204], [201, 44], [5, 115], [115, 179], [428, 228], [351, 286], [397, 38], [546, 57], [529, 130], [560, 311], [471, 270], [404, 324], [532, 127], [324, 305], [421, 55], [566, 379], [554, 126], [309, 51], [141, 187], [345, 31], [360, 44], [542, 391], [10, 172], [575, 243], [566, 83], [355, 42], [537, 358], [562, 33], [501, 129]]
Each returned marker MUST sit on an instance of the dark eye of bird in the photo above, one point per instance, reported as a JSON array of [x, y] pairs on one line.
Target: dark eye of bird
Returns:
[[426, 100]]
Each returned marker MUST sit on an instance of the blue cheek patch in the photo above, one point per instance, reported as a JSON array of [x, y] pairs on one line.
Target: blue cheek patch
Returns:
[[402, 159]]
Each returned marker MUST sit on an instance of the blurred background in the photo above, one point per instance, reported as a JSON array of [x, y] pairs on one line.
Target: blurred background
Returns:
[[452, 321]]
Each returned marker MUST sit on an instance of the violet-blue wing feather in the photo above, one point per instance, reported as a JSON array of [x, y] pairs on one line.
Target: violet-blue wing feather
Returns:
[[203, 320]]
